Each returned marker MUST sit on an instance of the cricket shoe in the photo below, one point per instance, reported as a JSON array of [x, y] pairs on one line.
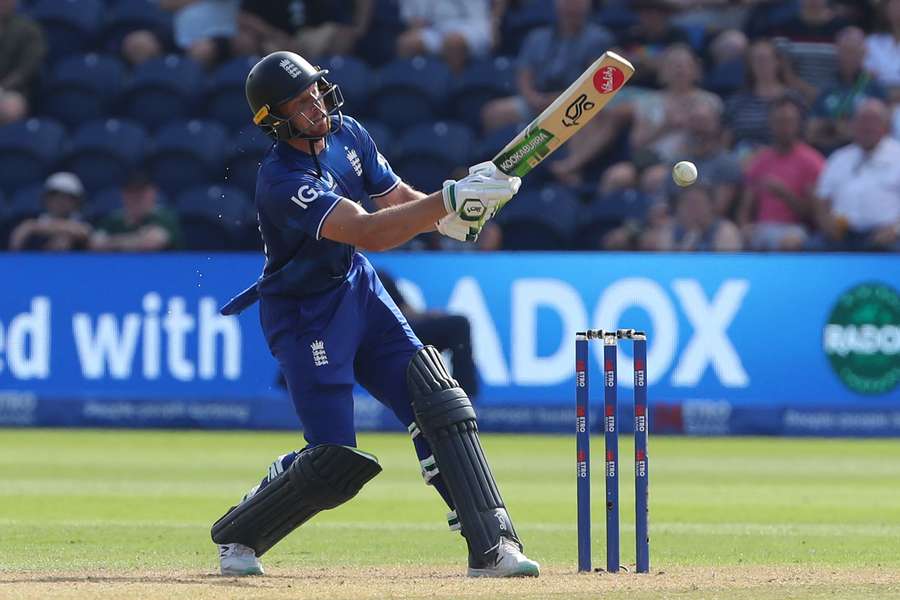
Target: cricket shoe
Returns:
[[237, 560], [510, 562]]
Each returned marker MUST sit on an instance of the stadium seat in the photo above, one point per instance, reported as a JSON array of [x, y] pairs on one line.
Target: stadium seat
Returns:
[[519, 21], [608, 212], [242, 157], [428, 154], [101, 204], [27, 203], [162, 90], [494, 141], [103, 152], [82, 88], [187, 153], [70, 25], [28, 151], [225, 98], [353, 77], [480, 82], [126, 16], [382, 136], [378, 45], [540, 219], [410, 91], [215, 217]]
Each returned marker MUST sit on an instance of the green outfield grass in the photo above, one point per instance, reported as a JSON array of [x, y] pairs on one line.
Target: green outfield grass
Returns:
[[133, 500]]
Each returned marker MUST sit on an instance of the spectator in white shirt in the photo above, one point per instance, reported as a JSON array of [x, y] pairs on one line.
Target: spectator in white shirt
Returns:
[[883, 49], [453, 29], [859, 189]]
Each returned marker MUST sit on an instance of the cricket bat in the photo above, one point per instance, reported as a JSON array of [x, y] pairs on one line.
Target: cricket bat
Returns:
[[566, 115]]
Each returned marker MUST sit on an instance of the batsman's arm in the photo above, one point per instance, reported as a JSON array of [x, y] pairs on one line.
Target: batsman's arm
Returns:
[[385, 228]]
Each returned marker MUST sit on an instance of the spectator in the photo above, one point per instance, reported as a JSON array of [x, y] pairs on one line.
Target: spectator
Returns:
[[829, 127], [695, 227], [22, 49], [452, 29], [60, 227], [808, 40], [747, 111], [779, 200], [645, 43], [718, 167], [883, 49], [660, 119], [141, 225], [312, 28], [859, 189], [446, 332], [551, 58], [203, 30]]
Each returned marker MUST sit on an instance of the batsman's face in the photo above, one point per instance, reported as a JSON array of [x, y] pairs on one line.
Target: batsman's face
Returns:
[[307, 112]]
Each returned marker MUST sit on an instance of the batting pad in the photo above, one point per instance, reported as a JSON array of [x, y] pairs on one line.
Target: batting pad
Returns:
[[320, 478], [447, 420]]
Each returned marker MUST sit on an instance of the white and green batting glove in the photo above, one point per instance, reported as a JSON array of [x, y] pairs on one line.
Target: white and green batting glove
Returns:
[[454, 227], [477, 197]]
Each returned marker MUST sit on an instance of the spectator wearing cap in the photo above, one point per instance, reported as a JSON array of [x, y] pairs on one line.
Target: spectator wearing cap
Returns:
[[859, 189], [141, 225], [22, 49], [778, 201], [646, 41], [60, 227], [829, 125], [883, 49]]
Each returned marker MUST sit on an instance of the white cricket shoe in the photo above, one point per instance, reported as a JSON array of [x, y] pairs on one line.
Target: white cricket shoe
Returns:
[[510, 563], [237, 560]]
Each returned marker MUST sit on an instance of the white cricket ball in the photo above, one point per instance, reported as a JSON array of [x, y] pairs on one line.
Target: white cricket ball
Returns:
[[684, 173]]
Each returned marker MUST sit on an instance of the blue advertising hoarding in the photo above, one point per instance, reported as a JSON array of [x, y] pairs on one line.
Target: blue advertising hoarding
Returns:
[[774, 344]]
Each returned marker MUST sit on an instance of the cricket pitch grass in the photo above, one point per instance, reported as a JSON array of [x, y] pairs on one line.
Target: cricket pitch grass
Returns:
[[126, 514]]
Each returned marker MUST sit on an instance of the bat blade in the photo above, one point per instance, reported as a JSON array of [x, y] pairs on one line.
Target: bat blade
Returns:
[[571, 110]]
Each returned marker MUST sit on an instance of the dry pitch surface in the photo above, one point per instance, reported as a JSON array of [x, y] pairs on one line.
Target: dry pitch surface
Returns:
[[370, 583]]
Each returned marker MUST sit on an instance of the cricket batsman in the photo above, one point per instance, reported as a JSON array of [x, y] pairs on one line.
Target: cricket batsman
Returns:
[[329, 323]]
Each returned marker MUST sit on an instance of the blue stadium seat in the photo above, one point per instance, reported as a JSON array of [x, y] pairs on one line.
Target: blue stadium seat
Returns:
[[215, 217], [27, 203], [353, 77], [70, 25], [225, 98], [519, 21], [101, 204], [28, 151], [162, 90], [608, 212], [82, 88], [382, 136], [726, 78], [408, 92], [540, 219], [242, 157], [378, 45], [187, 153], [126, 16], [428, 154], [103, 152], [495, 141], [480, 82]]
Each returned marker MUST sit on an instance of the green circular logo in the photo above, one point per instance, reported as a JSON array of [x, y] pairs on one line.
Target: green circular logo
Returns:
[[862, 338]]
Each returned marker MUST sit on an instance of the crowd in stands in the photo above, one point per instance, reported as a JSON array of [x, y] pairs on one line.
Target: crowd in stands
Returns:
[[123, 123]]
